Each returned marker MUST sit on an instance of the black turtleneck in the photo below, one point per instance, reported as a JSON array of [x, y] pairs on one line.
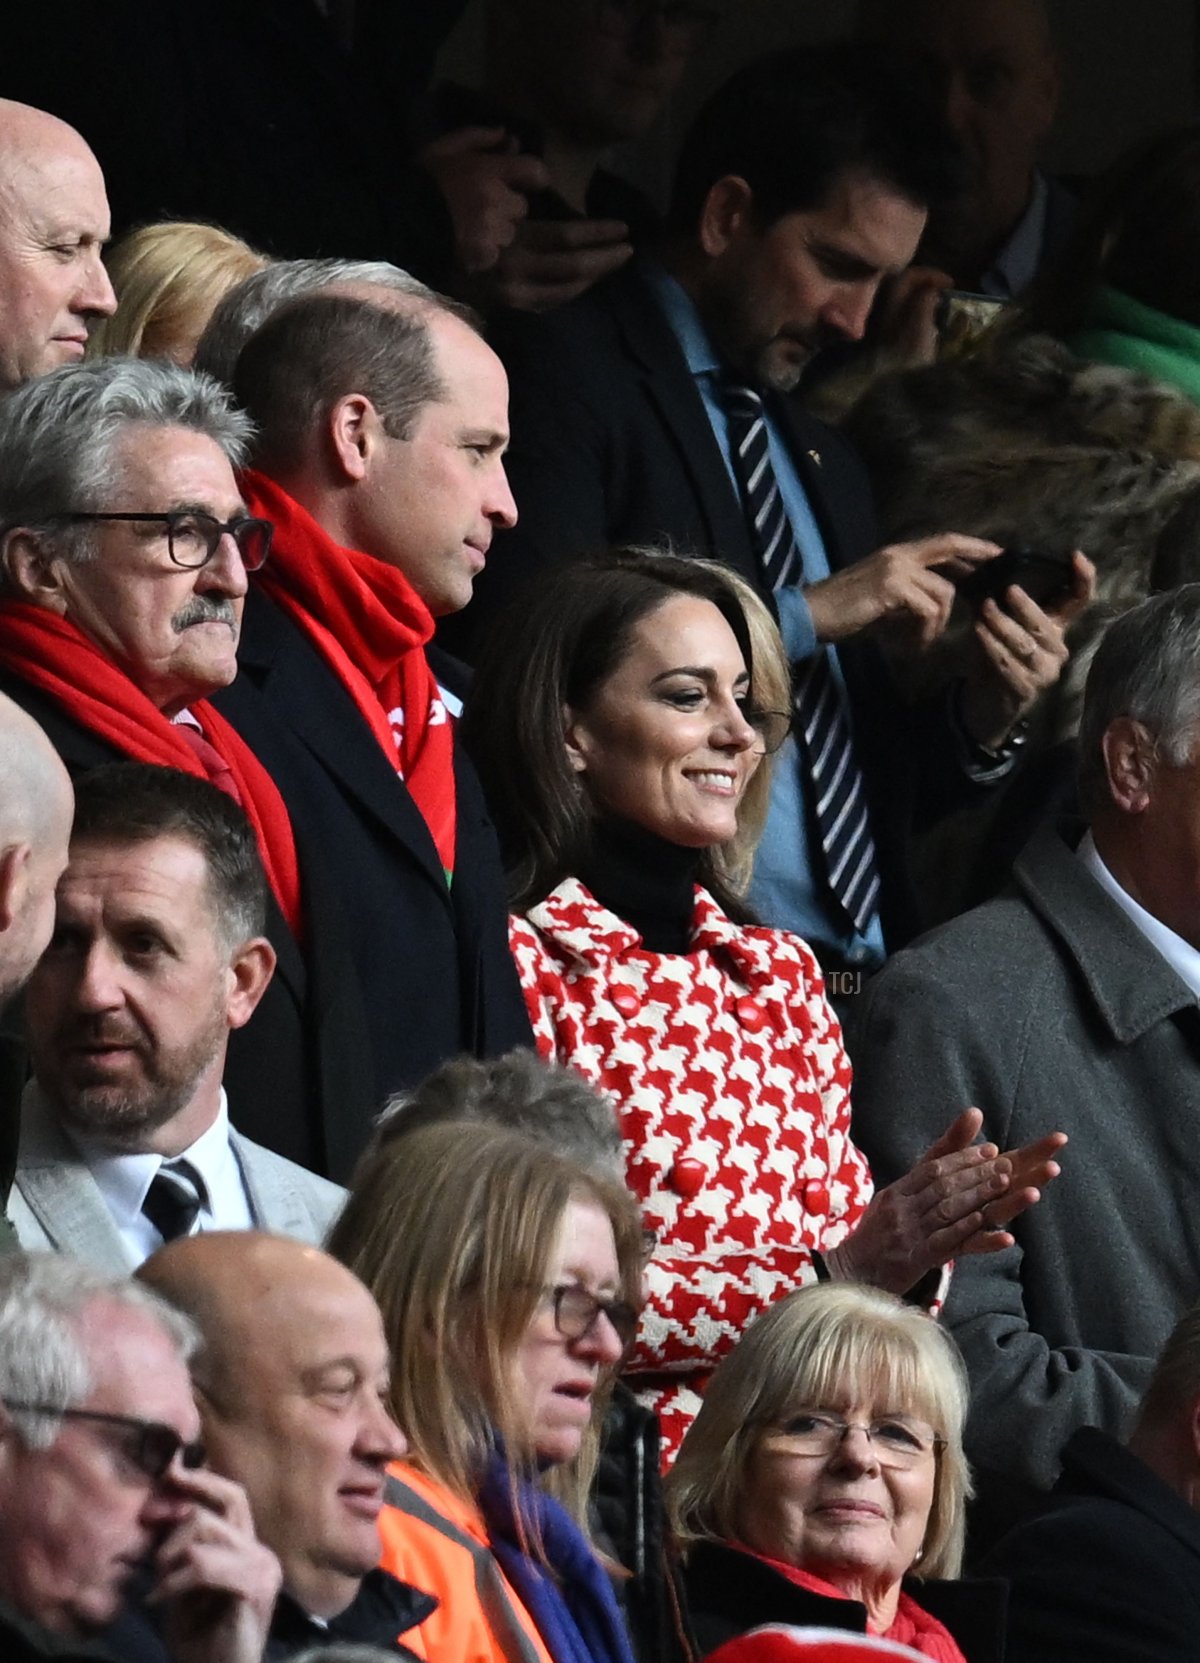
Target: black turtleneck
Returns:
[[644, 880]]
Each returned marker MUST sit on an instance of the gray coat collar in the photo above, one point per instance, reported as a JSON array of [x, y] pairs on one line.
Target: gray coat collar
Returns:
[[1131, 985]]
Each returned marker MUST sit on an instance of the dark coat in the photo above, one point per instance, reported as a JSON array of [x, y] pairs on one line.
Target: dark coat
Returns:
[[383, 1610], [22, 1641], [730, 1592], [1111, 1573], [298, 1073], [436, 974], [611, 444], [629, 1519]]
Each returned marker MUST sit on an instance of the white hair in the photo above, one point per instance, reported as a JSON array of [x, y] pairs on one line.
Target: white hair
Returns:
[[43, 1358]]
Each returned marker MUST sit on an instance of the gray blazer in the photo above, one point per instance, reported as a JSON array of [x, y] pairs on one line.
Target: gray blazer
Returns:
[[56, 1203], [1047, 1009]]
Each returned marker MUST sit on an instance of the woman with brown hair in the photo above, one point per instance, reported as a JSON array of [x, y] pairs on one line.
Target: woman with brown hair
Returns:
[[509, 1281], [621, 724]]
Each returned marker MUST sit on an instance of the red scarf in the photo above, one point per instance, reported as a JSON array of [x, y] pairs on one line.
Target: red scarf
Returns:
[[53, 655], [371, 627], [913, 1625]]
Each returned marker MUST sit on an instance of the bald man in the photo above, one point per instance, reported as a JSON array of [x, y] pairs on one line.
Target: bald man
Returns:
[[53, 225], [36, 808], [1002, 81], [291, 1382]]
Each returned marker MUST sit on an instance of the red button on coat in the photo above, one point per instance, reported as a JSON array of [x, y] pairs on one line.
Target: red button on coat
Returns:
[[750, 1014], [627, 1001], [815, 1196], [687, 1177]]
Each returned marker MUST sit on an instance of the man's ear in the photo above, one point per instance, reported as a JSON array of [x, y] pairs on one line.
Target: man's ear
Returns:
[[725, 213], [33, 572], [14, 864], [353, 429], [251, 969], [1130, 761]]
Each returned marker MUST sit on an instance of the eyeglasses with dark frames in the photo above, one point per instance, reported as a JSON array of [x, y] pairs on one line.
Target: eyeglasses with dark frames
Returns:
[[150, 1444], [576, 1312], [896, 1440], [193, 537]]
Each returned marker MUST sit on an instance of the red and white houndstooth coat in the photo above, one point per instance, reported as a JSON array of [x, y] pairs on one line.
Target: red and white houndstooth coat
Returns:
[[727, 1068]]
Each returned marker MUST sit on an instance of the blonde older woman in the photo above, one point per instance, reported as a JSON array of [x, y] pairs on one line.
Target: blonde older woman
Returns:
[[824, 1484], [508, 1278], [168, 279]]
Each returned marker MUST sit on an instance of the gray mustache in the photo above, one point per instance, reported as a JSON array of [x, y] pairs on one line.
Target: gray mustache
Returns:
[[205, 609]]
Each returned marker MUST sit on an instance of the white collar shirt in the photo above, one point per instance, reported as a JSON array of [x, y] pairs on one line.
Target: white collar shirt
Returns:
[[1179, 954], [124, 1180]]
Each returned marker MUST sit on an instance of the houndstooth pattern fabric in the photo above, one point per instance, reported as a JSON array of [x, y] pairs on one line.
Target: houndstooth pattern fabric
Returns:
[[727, 1068]]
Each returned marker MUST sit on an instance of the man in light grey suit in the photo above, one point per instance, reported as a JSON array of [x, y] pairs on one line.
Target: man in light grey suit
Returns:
[[157, 955]]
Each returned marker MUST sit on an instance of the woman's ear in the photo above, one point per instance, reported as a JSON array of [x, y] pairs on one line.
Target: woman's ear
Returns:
[[575, 739]]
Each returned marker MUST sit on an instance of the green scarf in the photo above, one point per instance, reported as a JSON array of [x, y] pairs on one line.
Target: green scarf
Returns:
[[1122, 331]]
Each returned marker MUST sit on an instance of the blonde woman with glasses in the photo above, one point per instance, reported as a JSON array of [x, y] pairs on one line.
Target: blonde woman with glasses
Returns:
[[823, 1483]]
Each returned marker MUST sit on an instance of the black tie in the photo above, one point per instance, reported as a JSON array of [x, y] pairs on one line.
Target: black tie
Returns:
[[839, 797], [174, 1199]]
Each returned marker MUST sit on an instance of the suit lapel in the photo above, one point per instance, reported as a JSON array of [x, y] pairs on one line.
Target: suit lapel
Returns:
[[274, 1203], [671, 389], [323, 717], [61, 1193]]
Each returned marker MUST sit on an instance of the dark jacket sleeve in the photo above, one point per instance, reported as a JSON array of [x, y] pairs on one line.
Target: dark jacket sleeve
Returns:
[[1092, 1585]]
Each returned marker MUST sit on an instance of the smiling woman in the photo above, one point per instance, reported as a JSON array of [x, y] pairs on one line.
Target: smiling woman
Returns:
[[622, 725], [823, 1482]]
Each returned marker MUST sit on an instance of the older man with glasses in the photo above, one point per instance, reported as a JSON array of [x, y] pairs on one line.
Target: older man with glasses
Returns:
[[102, 1479], [124, 551]]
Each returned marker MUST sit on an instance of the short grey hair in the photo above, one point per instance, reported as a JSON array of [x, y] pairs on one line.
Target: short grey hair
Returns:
[[1146, 668], [59, 435], [520, 1092], [43, 1300], [244, 310]]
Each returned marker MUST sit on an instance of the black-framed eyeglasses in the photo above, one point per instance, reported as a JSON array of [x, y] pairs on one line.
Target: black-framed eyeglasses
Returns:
[[898, 1440], [771, 726], [685, 22], [150, 1444], [576, 1312], [193, 538]]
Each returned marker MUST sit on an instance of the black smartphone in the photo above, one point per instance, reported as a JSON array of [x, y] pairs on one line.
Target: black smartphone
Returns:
[[1045, 578]]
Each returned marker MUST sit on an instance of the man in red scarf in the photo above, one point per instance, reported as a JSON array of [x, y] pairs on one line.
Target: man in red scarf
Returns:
[[124, 548], [382, 425]]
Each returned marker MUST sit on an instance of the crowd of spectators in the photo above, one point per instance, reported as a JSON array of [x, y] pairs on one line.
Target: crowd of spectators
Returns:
[[596, 1038]]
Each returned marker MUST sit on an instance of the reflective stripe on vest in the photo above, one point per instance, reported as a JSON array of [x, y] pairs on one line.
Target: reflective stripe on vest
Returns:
[[493, 1596]]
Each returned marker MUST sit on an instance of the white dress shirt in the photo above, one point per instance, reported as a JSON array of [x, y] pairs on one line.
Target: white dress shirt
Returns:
[[1179, 954], [124, 1180]]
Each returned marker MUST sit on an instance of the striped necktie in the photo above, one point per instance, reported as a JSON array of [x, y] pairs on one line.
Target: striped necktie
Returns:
[[839, 796], [174, 1199]]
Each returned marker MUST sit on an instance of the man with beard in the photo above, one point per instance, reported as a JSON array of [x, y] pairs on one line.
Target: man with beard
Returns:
[[157, 954], [653, 410]]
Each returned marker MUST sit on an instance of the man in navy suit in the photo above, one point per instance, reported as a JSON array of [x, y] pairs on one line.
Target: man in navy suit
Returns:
[[382, 420], [803, 183]]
